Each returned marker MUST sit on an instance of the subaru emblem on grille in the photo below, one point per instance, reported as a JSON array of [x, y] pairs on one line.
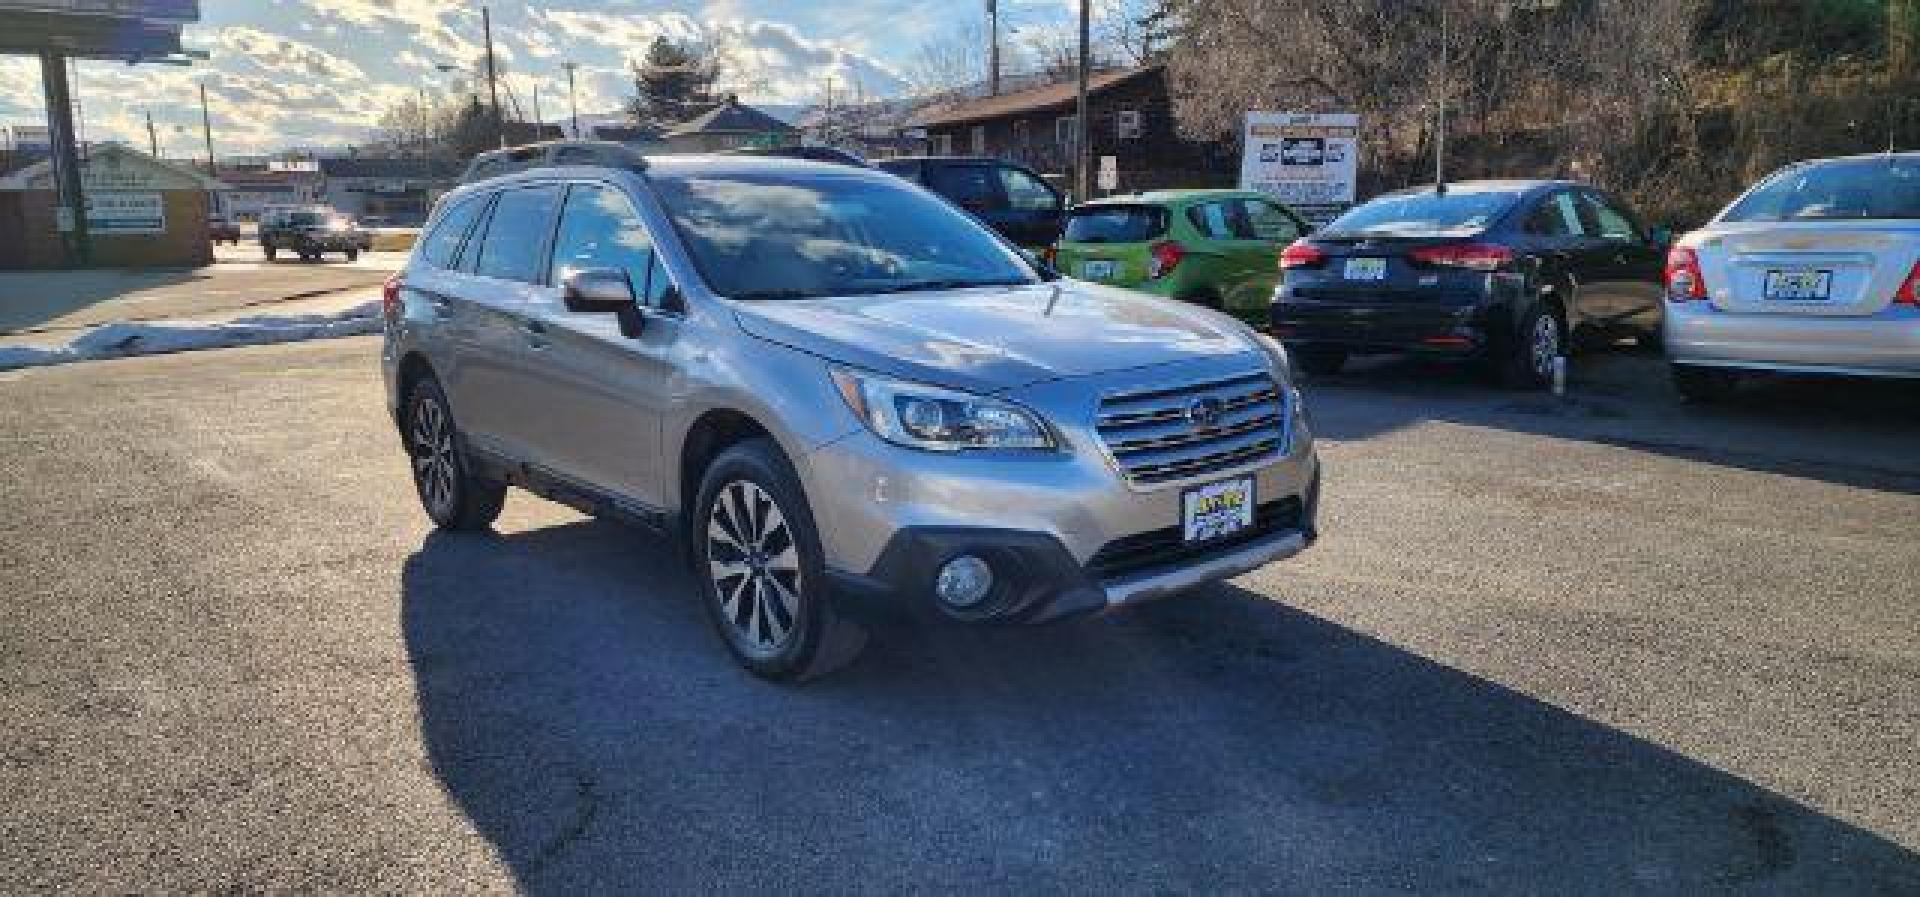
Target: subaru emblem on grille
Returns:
[[1204, 413]]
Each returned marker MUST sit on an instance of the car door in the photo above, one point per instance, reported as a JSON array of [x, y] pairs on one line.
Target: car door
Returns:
[[506, 269], [1556, 237], [1035, 211], [600, 395], [1261, 229], [1627, 267], [432, 289]]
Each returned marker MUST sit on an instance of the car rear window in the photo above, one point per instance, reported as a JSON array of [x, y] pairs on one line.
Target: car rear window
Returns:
[[1456, 213], [1838, 190], [1115, 224]]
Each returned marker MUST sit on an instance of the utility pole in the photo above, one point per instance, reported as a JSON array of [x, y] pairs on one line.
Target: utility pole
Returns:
[[66, 156], [993, 47], [572, 102], [206, 129], [1440, 122], [1082, 151], [493, 76], [153, 139], [538, 120]]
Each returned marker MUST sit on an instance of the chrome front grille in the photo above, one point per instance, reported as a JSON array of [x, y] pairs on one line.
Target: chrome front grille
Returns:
[[1172, 433]]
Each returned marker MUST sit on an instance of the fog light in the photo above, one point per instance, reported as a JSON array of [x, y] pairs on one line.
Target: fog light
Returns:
[[964, 581]]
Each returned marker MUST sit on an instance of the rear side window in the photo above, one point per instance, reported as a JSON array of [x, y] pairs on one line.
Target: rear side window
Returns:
[[1609, 223], [1556, 216], [1455, 213], [442, 244], [1027, 193], [1265, 221], [973, 187], [517, 234], [1115, 224], [1838, 190], [1214, 219]]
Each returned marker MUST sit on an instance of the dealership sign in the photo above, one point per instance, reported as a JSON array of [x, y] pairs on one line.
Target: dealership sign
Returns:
[[126, 213], [1308, 161]]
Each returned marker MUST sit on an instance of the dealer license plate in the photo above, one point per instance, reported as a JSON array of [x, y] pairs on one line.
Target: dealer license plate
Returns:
[[1216, 509], [1799, 286], [1366, 269], [1097, 270]]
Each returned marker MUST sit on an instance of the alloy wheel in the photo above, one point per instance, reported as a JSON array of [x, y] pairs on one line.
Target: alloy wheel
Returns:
[[434, 467], [1544, 346], [754, 564]]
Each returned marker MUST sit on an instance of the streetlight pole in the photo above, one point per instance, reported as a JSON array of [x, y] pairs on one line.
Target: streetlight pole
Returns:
[[1082, 151], [493, 76], [206, 130], [153, 139], [572, 103]]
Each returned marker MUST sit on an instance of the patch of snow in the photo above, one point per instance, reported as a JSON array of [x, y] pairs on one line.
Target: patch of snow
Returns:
[[123, 339]]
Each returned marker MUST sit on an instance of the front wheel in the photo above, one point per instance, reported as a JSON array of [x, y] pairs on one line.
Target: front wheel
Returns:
[[353, 255], [452, 495], [762, 570], [271, 252]]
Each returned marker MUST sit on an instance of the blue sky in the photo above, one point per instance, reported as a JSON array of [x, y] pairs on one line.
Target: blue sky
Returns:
[[319, 72]]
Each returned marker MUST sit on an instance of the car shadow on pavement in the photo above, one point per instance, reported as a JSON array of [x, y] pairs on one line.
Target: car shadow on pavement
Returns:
[[580, 711], [1849, 432]]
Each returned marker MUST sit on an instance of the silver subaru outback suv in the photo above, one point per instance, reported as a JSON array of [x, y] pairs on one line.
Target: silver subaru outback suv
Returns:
[[844, 397]]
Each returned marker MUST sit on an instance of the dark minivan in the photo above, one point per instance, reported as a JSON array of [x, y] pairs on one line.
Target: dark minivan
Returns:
[[1508, 273], [1009, 197]]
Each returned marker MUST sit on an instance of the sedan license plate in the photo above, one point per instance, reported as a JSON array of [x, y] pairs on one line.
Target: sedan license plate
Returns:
[[1097, 270], [1799, 286], [1216, 510], [1366, 269]]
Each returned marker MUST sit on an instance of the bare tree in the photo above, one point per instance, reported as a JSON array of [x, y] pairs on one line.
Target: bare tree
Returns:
[[950, 61]]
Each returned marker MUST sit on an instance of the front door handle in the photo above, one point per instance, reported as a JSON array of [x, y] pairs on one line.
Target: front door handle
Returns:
[[442, 307]]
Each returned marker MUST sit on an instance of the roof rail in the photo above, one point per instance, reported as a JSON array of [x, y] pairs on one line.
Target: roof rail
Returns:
[[552, 153]]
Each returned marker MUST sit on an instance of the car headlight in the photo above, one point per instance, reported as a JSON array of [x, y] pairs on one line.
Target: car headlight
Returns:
[[941, 420]]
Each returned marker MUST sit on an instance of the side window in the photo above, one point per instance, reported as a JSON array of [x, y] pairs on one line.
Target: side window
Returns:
[[517, 233], [599, 229], [973, 187], [1267, 222], [1027, 193], [1610, 223], [442, 244], [1213, 219], [1557, 216]]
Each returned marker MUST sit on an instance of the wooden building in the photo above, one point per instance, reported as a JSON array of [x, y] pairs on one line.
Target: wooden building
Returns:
[[1130, 118]]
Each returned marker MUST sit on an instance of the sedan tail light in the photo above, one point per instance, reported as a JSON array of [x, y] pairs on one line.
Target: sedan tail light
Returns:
[[1910, 291], [1684, 280], [390, 297], [1166, 257], [1473, 256], [1301, 254]]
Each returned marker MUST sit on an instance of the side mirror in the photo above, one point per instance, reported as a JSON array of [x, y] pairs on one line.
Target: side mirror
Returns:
[[604, 291], [1040, 263]]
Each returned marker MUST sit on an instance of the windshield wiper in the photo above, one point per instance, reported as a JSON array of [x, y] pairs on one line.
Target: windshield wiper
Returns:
[[956, 284]]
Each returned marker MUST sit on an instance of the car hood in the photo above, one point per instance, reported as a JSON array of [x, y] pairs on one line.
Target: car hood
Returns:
[[992, 339]]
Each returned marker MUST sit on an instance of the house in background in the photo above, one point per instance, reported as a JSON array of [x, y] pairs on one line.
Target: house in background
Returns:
[[730, 125], [1130, 118], [142, 212], [401, 190]]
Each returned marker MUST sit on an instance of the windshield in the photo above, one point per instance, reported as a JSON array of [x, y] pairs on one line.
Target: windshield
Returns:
[[1115, 224], [306, 219], [778, 236], [1840, 190], [1455, 214]]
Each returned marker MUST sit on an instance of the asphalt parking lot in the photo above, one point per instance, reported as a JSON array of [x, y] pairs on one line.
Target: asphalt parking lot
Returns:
[[1596, 645]]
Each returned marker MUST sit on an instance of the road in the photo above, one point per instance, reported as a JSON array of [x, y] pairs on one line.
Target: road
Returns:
[[1603, 645], [54, 302]]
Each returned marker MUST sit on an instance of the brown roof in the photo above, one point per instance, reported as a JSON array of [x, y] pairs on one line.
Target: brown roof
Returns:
[[1020, 102]]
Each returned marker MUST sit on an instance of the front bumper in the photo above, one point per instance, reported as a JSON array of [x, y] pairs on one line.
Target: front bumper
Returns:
[[1886, 344]]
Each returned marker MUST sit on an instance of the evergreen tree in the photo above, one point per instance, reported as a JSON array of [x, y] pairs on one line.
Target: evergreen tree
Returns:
[[674, 83]]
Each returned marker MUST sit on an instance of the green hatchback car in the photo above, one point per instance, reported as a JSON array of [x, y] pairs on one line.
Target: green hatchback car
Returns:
[[1218, 248]]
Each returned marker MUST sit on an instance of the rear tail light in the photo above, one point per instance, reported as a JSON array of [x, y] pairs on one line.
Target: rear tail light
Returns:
[[1166, 257], [1301, 254], [1684, 281], [1910, 291], [1473, 256], [390, 297]]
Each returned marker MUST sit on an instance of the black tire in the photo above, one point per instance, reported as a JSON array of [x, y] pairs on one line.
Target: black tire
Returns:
[[453, 497], [776, 618], [1704, 386], [1321, 361], [353, 255], [271, 253], [1526, 360]]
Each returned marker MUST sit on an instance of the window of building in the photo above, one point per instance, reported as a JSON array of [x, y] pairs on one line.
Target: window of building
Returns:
[[940, 144], [517, 233], [1129, 124], [1063, 131], [979, 135]]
